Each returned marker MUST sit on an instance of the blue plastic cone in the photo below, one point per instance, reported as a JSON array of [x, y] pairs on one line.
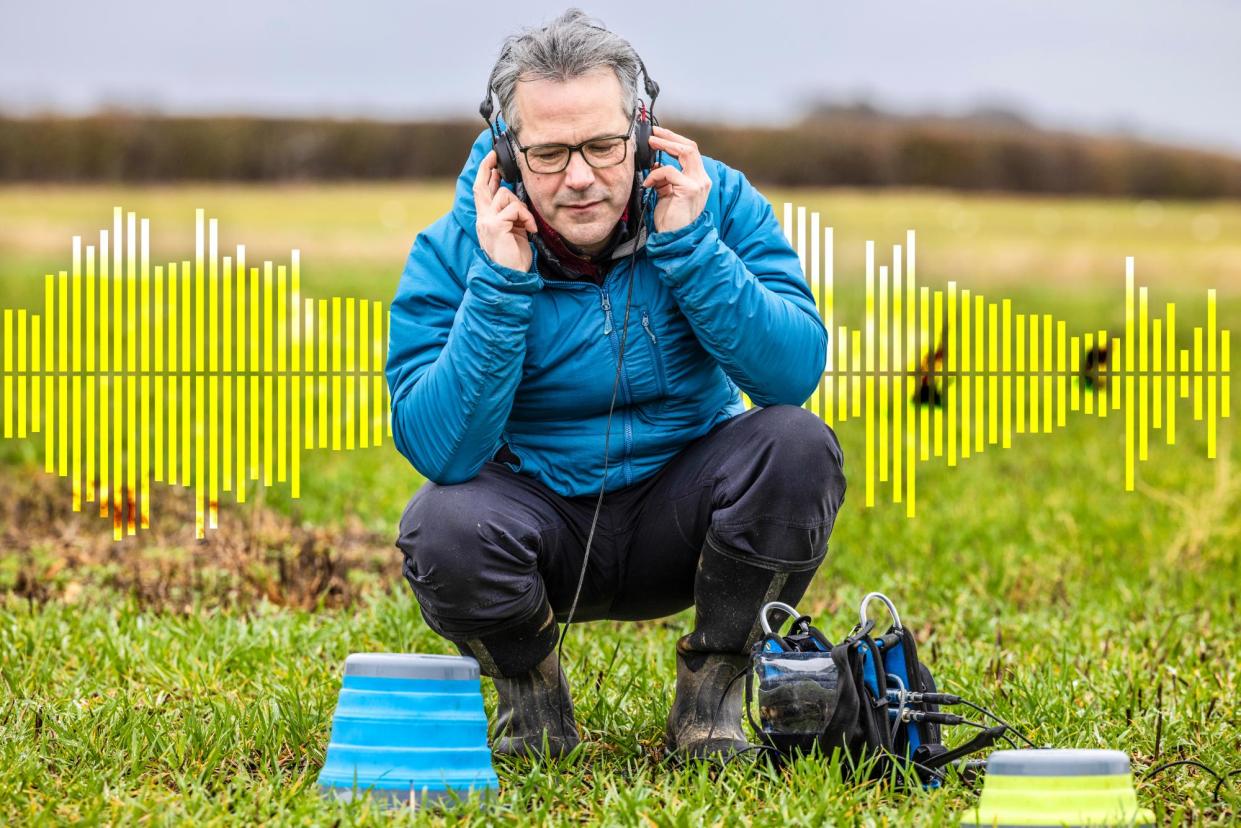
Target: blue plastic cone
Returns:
[[408, 729]]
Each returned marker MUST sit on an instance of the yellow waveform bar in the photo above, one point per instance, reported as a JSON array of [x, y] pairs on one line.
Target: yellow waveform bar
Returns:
[[953, 367], [137, 372]]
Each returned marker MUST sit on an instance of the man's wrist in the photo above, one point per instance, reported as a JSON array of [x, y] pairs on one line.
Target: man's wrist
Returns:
[[512, 280], [657, 242], [672, 249]]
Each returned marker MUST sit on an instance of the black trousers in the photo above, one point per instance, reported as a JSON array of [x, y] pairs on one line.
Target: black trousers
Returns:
[[495, 559]]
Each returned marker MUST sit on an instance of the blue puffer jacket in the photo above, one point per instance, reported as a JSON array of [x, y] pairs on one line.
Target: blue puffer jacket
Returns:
[[480, 354]]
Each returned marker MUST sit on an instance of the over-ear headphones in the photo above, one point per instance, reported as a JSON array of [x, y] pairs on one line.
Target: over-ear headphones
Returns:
[[506, 145]]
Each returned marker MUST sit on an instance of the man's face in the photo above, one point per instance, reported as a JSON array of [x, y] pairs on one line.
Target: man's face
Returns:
[[569, 112]]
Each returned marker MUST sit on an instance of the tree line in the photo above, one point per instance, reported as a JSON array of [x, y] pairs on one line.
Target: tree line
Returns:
[[836, 149]]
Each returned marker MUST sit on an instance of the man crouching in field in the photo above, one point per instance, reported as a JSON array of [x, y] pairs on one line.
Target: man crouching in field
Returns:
[[505, 334]]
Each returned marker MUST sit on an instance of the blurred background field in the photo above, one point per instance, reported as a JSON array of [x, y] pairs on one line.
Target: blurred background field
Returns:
[[360, 233]]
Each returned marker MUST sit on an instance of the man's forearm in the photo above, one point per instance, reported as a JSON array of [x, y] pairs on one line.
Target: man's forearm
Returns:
[[766, 335], [448, 420]]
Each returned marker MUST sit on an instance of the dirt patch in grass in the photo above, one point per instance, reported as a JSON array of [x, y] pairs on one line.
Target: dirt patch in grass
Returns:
[[256, 554]]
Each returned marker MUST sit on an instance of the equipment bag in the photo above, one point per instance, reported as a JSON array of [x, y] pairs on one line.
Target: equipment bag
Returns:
[[864, 696]]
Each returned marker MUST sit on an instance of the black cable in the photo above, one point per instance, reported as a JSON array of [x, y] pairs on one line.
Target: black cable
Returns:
[[900, 709], [969, 723], [1220, 778], [896, 758], [1153, 772], [676, 759], [998, 720], [485, 109], [581, 579], [906, 760], [633, 257], [730, 757]]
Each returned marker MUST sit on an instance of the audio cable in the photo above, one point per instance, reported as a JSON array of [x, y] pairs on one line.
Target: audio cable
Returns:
[[581, 578]]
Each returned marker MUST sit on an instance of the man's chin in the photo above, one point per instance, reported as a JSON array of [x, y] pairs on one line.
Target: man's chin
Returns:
[[584, 240]]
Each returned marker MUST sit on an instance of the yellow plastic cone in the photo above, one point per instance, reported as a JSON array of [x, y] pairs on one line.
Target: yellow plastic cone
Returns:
[[1059, 787]]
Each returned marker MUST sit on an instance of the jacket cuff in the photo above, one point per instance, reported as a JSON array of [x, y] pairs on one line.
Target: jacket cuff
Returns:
[[672, 249], [487, 277]]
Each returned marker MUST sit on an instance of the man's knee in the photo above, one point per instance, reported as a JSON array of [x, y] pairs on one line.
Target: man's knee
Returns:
[[791, 485], [470, 557], [436, 531], [804, 454]]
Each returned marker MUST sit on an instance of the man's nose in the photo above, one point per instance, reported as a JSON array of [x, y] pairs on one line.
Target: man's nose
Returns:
[[578, 175]]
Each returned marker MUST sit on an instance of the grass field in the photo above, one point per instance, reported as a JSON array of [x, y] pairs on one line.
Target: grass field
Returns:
[[164, 680]]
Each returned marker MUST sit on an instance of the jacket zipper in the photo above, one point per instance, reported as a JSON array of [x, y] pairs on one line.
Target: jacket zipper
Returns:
[[607, 312], [646, 323], [661, 376], [605, 301]]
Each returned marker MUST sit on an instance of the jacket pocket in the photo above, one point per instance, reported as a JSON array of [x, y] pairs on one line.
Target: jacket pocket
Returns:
[[645, 370], [506, 455]]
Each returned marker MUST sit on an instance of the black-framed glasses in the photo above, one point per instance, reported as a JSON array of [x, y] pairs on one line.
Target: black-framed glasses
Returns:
[[599, 153]]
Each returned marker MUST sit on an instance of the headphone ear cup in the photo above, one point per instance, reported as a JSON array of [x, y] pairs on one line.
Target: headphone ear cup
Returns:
[[643, 157], [506, 159]]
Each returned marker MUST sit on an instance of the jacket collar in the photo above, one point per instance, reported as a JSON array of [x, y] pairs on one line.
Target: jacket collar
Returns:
[[567, 260]]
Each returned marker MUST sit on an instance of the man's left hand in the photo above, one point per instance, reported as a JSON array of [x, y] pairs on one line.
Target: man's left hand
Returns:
[[682, 193]]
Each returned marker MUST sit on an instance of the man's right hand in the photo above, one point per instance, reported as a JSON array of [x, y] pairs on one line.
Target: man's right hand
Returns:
[[504, 223]]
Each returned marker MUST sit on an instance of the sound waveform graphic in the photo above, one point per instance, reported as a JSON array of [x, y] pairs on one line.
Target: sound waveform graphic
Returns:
[[937, 373], [212, 374], [206, 374]]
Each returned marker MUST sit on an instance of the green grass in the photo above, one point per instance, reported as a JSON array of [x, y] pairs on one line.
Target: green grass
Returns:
[[132, 693]]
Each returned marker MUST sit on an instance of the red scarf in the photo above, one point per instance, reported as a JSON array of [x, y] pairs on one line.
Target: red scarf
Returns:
[[584, 265]]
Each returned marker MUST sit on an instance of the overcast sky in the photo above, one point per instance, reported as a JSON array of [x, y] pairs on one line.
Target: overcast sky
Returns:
[[1158, 68]]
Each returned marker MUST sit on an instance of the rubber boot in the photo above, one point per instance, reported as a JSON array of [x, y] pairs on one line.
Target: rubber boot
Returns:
[[705, 719], [533, 707], [730, 589]]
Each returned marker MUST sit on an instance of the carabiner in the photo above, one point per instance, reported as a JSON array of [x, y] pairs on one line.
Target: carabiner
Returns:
[[762, 615], [896, 618]]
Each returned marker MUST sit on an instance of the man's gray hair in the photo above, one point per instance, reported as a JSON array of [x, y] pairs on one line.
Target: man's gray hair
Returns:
[[570, 46]]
